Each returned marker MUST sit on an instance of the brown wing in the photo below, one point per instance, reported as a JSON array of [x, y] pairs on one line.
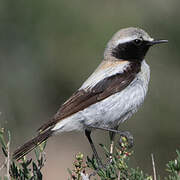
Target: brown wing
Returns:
[[81, 99]]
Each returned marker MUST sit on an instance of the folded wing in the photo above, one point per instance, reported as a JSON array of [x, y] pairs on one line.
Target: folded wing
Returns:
[[81, 99]]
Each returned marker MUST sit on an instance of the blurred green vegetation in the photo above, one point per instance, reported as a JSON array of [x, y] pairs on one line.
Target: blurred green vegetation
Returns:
[[48, 48]]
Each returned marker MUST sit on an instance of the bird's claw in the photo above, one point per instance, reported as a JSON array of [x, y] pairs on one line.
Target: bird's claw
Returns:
[[126, 139]]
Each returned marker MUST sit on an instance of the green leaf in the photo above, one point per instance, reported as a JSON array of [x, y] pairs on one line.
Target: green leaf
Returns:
[[36, 172], [14, 170], [4, 152], [2, 141], [69, 171], [42, 146], [106, 150], [37, 153]]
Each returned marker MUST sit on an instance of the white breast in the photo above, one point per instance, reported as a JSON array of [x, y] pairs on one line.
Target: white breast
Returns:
[[112, 110], [120, 106]]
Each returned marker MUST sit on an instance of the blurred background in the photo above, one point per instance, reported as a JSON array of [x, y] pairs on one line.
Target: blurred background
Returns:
[[49, 47]]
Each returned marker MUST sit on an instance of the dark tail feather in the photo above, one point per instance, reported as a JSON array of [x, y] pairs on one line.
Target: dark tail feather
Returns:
[[30, 145]]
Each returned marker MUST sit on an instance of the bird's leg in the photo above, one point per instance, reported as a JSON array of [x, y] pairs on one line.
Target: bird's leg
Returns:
[[88, 135], [121, 133]]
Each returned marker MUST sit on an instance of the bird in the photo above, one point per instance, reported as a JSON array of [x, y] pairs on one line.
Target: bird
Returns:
[[111, 94]]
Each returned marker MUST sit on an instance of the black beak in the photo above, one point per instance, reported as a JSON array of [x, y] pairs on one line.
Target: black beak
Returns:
[[150, 43]]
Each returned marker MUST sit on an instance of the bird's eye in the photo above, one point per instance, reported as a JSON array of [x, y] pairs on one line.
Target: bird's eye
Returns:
[[138, 41]]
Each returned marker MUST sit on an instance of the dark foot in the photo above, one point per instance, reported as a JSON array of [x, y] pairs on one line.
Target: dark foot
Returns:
[[95, 154], [122, 134]]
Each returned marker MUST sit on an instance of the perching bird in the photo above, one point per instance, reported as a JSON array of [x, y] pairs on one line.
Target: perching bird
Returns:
[[111, 95]]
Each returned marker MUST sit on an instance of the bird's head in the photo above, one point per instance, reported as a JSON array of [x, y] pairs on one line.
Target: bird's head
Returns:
[[129, 44]]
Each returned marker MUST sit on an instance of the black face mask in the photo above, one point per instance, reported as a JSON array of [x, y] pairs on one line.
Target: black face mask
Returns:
[[132, 51]]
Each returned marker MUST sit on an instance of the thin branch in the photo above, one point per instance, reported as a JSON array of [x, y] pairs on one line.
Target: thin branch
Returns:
[[8, 160], [3, 165], [154, 168], [111, 150], [119, 175]]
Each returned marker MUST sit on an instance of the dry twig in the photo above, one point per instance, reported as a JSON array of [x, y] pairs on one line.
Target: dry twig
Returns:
[[154, 168]]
